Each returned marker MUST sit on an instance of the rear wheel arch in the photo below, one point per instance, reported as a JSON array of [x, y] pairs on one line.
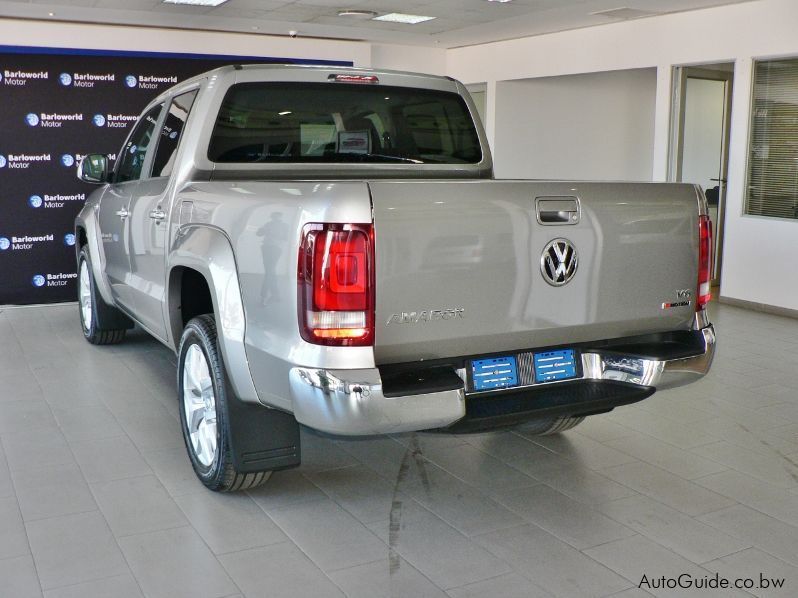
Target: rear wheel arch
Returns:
[[190, 295], [205, 254]]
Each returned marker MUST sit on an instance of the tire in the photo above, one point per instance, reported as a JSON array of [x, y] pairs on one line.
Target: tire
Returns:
[[550, 425], [93, 310], [203, 392]]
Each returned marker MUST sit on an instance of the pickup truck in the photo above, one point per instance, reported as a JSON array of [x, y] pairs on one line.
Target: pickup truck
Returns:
[[329, 247]]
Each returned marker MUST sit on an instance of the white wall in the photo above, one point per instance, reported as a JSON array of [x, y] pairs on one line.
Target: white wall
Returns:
[[409, 58], [737, 33], [596, 126]]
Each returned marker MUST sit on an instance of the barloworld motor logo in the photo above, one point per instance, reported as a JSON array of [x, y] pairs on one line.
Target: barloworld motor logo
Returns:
[[52, 120], [69, 240], [4, 243], [68, 160], [149, 81], [119, 121], [98, 120], [26, 243], [22, 161], [54, 201], [53, 280], [15, 78], [65, 79]]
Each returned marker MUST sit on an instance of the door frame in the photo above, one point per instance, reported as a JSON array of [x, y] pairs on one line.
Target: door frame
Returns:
[[680, 76]]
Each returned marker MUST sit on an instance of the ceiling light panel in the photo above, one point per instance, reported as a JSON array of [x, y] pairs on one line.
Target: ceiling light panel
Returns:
[[399, 17], [357, 13], [196, 2]]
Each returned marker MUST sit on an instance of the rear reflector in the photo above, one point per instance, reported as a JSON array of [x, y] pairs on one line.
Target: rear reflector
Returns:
[[336, 289], [704, 293]]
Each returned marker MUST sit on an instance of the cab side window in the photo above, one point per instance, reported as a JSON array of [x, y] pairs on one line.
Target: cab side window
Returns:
[[134, 152], [171, 132]]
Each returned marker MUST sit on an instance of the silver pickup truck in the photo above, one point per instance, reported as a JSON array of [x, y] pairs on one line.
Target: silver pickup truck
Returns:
[[328, 247]]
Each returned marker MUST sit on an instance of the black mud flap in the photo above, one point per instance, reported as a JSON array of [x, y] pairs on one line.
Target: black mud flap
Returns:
[[262, 439], [108, 316], [485, 411]]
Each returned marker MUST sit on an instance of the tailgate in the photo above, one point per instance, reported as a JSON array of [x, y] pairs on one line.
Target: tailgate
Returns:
[[458, 264]]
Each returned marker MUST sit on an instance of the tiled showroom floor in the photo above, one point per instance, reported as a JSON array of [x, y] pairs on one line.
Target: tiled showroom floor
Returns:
[[97, 497]]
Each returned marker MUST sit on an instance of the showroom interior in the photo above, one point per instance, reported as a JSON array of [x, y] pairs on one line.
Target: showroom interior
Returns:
[[692, 487]]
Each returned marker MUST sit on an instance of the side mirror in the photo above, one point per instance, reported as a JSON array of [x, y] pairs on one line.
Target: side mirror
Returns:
[[93, 169]]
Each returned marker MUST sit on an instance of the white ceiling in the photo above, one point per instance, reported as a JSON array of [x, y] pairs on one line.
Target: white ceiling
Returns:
[[458, 22]]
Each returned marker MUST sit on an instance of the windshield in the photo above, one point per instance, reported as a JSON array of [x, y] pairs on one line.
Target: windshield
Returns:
[[335, 122]]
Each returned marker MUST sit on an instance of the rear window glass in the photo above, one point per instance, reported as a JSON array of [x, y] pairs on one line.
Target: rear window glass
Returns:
[[336, 122]]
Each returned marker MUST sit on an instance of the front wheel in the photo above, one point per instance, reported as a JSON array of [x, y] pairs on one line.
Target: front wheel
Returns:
[[203, 393], [94, 312]]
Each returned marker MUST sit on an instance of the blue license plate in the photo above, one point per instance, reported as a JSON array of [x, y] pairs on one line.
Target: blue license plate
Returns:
[[499, 372], [555, 365]]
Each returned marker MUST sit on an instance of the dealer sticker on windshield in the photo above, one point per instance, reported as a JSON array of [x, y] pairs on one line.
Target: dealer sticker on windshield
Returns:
[[353, 142]]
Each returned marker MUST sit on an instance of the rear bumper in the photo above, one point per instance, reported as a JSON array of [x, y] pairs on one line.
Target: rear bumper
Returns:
[[352, 402]]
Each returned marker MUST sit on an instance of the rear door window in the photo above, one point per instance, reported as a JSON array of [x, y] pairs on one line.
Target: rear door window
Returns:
[[172, 131]]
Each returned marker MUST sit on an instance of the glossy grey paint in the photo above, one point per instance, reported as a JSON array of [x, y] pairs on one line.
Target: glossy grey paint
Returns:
[[264, 222], [449, 243], [209, 251], [147, 253], [477, 246]]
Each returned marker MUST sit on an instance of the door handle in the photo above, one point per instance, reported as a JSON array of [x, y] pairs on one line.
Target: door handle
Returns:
[[557, 210], [123, 213], [157, 214]]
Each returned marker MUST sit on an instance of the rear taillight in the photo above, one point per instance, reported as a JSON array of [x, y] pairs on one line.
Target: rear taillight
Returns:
[[704, 262], [336, 284]]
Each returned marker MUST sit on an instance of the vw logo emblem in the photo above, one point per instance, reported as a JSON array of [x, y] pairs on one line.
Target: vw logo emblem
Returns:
[[558, 262]]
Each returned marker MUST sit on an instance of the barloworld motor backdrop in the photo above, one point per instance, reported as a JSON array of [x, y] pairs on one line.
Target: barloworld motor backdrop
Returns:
[[59, 105]]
